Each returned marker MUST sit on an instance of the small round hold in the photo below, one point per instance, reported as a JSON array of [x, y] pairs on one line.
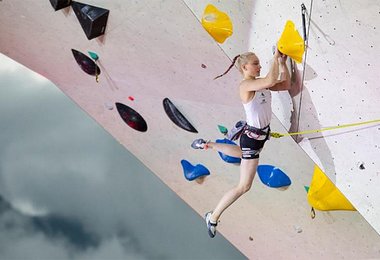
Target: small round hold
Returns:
[[203, 66], [108, 105], [131, 98], [250, 238], [298, 229]]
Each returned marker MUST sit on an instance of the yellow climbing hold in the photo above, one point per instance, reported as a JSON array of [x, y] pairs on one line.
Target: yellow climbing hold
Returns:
[[216, 23], [324, 195], [291, 42]]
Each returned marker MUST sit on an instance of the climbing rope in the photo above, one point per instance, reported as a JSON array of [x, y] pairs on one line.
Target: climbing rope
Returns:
[[278, 135]]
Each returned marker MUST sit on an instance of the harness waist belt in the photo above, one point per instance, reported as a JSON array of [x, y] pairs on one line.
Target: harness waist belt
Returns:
[[259, 131]]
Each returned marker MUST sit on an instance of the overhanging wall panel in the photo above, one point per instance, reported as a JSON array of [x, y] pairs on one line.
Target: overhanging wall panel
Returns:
[[154, 50]]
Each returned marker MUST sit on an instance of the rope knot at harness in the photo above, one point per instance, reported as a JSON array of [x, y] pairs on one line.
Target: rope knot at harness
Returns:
[[276, 135]]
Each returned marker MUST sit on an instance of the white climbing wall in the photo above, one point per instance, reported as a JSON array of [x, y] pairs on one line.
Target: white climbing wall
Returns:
[[341, 84], [155, 49], [345, 91]]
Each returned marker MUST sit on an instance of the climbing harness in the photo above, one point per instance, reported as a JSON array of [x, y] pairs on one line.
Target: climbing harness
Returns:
[[278, 135], [262, 134], [236, 130], [240, 127]]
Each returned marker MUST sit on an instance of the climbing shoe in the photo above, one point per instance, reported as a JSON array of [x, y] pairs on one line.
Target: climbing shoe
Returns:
[[211, 226], [199, 144]]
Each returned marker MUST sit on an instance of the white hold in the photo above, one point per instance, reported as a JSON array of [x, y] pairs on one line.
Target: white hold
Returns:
[[108, 105], [298, 229]]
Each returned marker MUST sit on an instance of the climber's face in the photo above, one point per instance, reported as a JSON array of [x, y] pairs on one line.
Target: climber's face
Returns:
[[252, 67]]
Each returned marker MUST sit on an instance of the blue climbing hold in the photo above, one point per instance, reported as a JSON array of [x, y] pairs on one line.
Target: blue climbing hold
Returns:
[[273, 176], [192, 172], [227, 158]]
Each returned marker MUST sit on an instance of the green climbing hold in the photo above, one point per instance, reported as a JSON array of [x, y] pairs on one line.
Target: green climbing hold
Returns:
[[93, 55], [222, 129], [306, 188]]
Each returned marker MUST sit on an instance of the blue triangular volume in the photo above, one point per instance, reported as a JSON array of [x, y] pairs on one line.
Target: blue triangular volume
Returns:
[[227, 158], [273, 176], [192, 172]]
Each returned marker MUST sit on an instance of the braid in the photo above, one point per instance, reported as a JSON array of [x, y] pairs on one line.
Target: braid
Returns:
[[229, 68]]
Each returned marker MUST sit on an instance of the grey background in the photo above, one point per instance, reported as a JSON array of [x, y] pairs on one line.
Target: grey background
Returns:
[[68, 190]]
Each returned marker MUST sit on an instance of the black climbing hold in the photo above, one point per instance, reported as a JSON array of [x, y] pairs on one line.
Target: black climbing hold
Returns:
[[93, 19], [60, 4], [176, 116], [86, 63], [131, 117]]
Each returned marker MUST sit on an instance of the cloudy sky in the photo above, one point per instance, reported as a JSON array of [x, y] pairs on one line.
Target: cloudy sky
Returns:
[[68, 190]]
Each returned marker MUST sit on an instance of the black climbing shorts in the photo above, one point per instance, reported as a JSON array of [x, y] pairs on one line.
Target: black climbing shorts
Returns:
[[252, 143]]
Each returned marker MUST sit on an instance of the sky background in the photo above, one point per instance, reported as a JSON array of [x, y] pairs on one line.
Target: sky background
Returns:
[[68, 190]]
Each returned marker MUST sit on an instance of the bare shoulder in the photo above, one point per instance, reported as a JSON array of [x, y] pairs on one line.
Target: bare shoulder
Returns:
[[245, 93], [244, 84]]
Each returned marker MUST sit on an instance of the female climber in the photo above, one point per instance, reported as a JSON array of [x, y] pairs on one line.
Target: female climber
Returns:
[[256, 98]]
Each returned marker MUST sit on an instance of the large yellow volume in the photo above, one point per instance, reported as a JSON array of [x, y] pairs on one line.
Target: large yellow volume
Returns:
[[291, 42], [324, 195], [216, 23]]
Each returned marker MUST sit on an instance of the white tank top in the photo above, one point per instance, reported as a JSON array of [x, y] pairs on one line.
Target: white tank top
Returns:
[[259, 109]]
